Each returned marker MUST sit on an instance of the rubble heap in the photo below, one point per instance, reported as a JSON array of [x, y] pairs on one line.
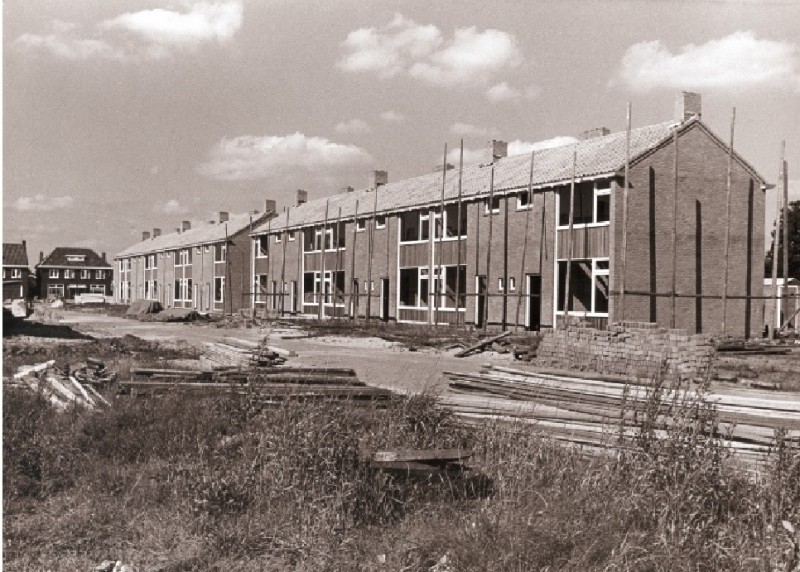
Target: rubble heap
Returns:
[[75, 385]]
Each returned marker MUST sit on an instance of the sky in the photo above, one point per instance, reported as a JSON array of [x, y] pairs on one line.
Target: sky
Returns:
[[123, 116]]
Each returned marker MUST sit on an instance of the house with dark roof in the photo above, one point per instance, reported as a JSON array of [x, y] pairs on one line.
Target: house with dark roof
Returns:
[[537, 240], [201, 265], [16, 272], [69, 271]]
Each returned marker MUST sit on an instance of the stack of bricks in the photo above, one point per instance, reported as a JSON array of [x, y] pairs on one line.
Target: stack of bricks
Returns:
[[634, 349]]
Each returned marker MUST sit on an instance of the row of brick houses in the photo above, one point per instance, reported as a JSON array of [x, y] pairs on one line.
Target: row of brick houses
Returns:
[[498, 244], [205, 266]]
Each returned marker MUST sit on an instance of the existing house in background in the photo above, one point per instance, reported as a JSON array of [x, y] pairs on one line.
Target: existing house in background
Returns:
[[192, 267], [68, 271], [508, 262], [16, 273]]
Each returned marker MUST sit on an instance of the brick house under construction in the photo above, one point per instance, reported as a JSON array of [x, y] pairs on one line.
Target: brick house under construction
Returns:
[[501, 250], [193, 267]]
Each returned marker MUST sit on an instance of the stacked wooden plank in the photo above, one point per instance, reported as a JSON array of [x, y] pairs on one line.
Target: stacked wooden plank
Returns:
[[591, 411], [418, 462], [267, 391], [62, 388], [244, 353]]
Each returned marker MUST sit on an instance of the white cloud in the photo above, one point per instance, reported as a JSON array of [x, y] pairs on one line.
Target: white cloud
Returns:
[[471, 156], [204, 22], [738, 60], [502, 92], [421, 51], [41, 203], [518, 147], [63, 42], [468, 130], [172, 206], [135, 36], [251, 157], [392, 117], [353, 126]]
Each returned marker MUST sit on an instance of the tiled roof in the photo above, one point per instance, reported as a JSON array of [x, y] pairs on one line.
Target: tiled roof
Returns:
[[14, 254], [58, 258], [200, 233], [597, 156]]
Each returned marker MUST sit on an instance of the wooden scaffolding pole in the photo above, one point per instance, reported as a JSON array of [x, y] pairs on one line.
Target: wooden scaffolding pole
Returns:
[[226, 291], [370, 251], [439, 282], [353, 303], [775, 237], [283, 264], [727, 228], [321, 293], [336, 272], [785, 183], [674, 237], [571, 237], [489, 250], [521, 285], [458, 240], [623, 270]]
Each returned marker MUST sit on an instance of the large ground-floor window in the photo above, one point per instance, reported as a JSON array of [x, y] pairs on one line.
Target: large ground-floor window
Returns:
[[260, 288], [219, 289], [419, 291], [588, 285], [55, 290], [317, 287], [183, 290]]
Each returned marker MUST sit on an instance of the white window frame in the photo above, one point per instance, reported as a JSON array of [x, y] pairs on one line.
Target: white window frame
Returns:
[[591, 313], [257, 245], [512, 284], [16, 273], [379, 225], [69, 274], [76, 258], [55, 289], [85, 274], [291, 235], [100, 274], [598, 191], [494, 211], [224, 253], [221, 290], [278, 238], [361, 225], [526, 207], [54, 273], [500, 285]]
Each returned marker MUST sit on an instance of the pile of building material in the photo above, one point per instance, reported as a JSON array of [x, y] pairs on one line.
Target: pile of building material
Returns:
[[419, 462], [62, 388], [244, 353], [594, 411]]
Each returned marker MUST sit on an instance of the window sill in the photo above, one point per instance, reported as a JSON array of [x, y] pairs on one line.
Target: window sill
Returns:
[[584, 314], [585, 225]]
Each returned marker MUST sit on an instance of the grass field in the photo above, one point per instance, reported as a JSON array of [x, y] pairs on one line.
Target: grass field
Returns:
[[172, 484]]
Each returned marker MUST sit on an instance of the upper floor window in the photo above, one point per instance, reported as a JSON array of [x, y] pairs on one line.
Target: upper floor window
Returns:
[[220, 252], [291, 235], [380, 222], [262, 245], [524, 201], [592, 203], [16, 273], [69, 274], [278, 238], [495, 205], [76, 258], [334, 236], [100, 274], [85, 274], [361, 225]]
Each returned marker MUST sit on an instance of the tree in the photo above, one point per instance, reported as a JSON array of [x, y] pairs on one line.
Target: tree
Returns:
[[794, 245]]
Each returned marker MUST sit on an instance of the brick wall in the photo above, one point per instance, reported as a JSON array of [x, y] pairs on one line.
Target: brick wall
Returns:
[[640, 350]]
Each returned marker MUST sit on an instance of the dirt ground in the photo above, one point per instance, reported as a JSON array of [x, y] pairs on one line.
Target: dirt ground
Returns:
[[377, 362]]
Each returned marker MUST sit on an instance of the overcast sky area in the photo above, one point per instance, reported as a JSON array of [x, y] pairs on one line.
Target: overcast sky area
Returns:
[[123, 116]]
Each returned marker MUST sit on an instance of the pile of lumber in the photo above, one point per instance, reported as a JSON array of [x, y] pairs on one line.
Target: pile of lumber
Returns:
[[420, 462], [590, 411], [63, 388], [244, 353]]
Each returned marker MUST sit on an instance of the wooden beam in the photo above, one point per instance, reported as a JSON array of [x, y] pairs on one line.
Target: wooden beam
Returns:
[[626, 183], [567, 291], [727, 228]]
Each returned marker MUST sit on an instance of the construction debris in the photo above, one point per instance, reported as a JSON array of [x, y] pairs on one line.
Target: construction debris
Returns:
[[482, 344], [423, 462], [244, 353], [589, 411], [75, 385]]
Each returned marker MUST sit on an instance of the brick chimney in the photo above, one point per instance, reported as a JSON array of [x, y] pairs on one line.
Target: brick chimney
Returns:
[[270, 206], [41, 257], [448, 166], [499, 149], [592, 133], [302, 197], [103, 256], [156, 232], [145, 235], [223, 217], [347, 189], [688, 105], [378, 179], [186, 225]]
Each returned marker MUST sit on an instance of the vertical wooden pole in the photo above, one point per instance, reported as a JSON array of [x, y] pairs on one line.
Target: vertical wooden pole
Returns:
[[440, 281], [521, 285], [321, 297], [352, 303], [227, 290], [571, 237], [460, 232], [785, 183], [775, 239], [336, 271], [371, 236], [283, 264], [672, 296], [727, 228], [489, 252], [625, 191], [505, 263]]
